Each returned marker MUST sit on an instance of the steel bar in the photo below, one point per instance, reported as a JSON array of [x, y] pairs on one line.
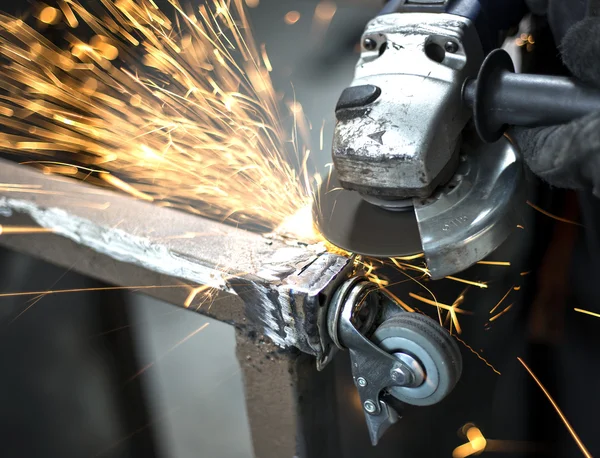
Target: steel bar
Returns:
[[123, 240], [129, 242]]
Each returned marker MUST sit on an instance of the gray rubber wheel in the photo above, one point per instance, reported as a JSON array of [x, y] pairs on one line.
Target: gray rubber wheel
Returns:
[[436, 350]]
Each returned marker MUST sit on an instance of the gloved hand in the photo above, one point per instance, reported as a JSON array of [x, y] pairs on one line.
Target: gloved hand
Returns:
[[568, 155]]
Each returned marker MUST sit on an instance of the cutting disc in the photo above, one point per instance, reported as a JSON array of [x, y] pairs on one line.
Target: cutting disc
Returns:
[[349, 222]]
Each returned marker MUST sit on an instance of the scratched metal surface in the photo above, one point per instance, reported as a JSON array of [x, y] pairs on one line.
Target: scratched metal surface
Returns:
[[160, 239]]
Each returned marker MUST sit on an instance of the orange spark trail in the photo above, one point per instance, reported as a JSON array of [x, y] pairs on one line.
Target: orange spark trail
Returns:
[[477, 354], [40, 294], [5, 230], [398, 300], [148, 366], [494, 263], [82, 290], [404, 265], [468, 282], [495, 317], [501, 300], [194, 293], [438, 304], [550, 215], [410, 258], [180, 106], [587, 312], [452, 313], [452, 310], [584, 450], [125, 187]]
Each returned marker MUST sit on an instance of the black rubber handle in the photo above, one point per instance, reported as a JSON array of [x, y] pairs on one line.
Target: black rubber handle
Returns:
[[499, 98]]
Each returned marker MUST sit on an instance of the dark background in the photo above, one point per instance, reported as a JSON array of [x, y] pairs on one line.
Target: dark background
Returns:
[[66, 388]]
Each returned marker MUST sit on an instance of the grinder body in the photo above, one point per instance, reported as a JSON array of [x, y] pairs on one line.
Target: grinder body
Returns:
[[426, 70], [404, 143]]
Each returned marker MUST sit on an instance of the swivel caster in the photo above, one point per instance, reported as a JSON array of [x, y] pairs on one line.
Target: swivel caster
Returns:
[[407, 356]]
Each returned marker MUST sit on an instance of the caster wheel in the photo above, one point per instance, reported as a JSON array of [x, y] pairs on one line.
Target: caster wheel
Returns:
[[437, 353]]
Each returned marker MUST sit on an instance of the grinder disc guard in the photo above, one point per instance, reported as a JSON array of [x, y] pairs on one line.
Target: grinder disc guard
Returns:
[[459, 225], [350, 222]]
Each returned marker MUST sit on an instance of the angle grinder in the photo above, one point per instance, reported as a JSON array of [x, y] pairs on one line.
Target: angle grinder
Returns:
[[421, 163]]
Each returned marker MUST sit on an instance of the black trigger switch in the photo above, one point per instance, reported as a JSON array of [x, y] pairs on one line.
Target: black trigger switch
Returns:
[[357, 97]]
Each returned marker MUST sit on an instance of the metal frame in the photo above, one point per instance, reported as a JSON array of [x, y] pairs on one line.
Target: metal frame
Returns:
[[128, 242]]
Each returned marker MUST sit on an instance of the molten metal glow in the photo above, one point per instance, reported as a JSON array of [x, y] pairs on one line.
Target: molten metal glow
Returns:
[[582, 447], [196, 119]]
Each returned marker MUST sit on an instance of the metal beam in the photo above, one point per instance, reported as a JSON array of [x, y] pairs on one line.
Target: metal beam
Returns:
[[123, 241], [131, 242]]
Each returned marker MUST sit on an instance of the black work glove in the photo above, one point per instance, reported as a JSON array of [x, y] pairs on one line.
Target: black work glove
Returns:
[[568, 155]]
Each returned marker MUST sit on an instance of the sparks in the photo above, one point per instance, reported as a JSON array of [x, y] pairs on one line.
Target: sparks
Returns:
[[550, 215], [501, 300], [193, 293], [494, 263], [587, 312], [582, 447], [5, 230], [125, 187], [452, 309], [49, 15], [185, 339], [472, 350], [196, 119], [468, 282], [477, 444], [403, 304], [84, 290], [495, 317]]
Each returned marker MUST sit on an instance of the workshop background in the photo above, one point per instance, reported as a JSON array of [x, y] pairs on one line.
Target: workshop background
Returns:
[[92, 373]]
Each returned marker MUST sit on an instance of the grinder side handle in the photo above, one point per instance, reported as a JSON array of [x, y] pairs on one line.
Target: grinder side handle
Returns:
[[499, 98]]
